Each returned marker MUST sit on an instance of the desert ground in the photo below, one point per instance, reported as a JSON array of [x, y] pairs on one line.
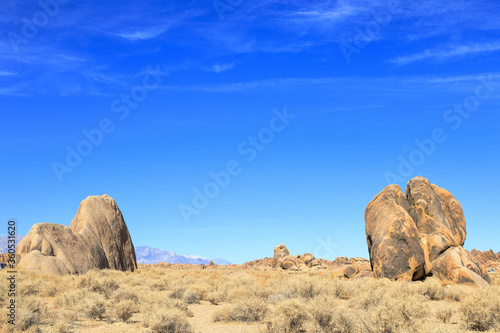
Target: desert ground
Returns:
[[191, 298]]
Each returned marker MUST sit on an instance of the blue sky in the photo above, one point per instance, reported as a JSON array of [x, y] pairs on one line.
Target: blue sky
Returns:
[[314, 107]]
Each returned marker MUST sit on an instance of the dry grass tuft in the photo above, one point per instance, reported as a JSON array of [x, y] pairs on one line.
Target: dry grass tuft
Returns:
[[162, 320], [287, 317], [330, 317], [394, 314], [250, 310], [444, 315], [125, 309], [481, 310]]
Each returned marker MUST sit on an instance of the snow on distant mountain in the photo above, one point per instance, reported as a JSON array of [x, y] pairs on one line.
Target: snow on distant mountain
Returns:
[[3, 242], [148, 255]]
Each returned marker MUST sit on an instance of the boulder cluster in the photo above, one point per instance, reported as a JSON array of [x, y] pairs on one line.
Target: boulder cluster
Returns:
[[420, 234], [283, 260], [489, 259], [97, 238]]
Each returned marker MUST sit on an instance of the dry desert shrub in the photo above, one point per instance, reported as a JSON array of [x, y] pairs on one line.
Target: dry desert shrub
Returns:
[[444, 315], [29, 314], [180, 305], [367, 293], [102, 282], [50, 288], [201, 289], [123, 294], [27, 319], [307, 287], [238, 293], [150, 299], [392, 314], [281, 289], [125, 309], [260, 291], [191, 297], [65, 320], [250, 310], [177, 292], [95, 309], [453, 292], [215, 297], [368, 300], [329, 317], [72, 300], [159, 284], [62, 326], [30, 284], [337, 288], [481, 310], [105, 286], [432, 289], [91, 305], [167, 320], [287, 317]]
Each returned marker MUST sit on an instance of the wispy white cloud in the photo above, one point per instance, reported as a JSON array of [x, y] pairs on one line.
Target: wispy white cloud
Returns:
[[450, 52], [320, 15], [12, 91], [389, 84], [217, 68], [255, 85], [143, 34], [452, 79], [7, 73]]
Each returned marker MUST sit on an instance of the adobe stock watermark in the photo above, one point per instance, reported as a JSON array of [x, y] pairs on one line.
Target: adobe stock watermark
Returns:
[[326, 248], [223, 6], [122, 107], [454, 117], [249, 149], [368, 32], [31, 26], [11, 275]]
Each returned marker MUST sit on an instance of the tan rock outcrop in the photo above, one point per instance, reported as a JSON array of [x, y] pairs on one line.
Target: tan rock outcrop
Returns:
[[488, 259], [393, 238], [97, 238], [280, 251], [419, 234], [283, 260], [458, 265]]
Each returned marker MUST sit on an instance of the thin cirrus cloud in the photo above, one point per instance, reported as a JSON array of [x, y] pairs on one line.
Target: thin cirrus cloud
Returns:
[[143, 34], [360, 84], [8, 73], [441, 54], [217, 68]]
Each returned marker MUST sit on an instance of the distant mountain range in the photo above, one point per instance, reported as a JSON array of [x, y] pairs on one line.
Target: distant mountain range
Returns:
[[3, 242], [148, 255]]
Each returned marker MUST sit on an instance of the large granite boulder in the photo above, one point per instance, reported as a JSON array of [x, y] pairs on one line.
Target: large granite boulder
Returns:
[[458, 265], [393, 238], [97, 238], [99, 219], [437, 215], [419, 234]]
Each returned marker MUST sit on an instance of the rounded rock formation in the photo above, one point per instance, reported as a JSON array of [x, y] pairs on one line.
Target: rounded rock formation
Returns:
[[97, 238], [280, 251], [419, 234]]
